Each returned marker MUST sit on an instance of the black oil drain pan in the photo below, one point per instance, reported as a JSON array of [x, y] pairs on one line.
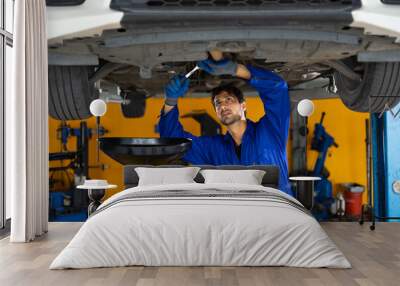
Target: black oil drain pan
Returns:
[[153, 151]]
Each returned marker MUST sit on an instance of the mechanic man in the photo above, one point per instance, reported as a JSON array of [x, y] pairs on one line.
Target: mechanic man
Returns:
[[246, 142]]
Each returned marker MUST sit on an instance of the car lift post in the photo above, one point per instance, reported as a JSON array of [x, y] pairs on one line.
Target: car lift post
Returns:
[[383, 139]]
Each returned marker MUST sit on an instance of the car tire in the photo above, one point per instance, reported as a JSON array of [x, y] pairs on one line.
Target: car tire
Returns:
[[70, 92], [137, 105], [378, 89]]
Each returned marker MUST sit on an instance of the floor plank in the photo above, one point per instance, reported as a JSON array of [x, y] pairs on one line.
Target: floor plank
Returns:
[[375, 257]]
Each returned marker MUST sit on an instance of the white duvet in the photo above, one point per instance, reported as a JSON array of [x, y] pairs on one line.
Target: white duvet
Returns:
[[200, 231]]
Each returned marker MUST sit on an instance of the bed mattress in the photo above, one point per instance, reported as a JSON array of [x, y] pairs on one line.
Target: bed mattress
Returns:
[[201, 225]]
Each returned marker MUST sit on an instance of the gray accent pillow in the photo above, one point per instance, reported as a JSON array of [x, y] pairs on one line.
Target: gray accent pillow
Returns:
[[163, 176], [248, 177]]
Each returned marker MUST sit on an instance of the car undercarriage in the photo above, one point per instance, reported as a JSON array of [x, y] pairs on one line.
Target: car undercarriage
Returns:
[[312, 46]]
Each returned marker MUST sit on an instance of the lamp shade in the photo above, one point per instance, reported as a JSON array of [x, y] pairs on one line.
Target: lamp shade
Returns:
[[305, 107], [98, 107]]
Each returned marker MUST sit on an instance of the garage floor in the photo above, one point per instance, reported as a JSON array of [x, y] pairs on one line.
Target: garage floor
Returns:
[[375, 257]]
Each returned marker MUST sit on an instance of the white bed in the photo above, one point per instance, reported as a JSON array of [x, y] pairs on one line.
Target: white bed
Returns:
[[224, 225]]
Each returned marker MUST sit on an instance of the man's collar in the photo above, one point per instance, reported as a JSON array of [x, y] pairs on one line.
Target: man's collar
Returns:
[[249, 126]]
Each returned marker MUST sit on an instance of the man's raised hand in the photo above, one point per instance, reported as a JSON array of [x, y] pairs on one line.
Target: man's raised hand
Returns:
[[176, 88]]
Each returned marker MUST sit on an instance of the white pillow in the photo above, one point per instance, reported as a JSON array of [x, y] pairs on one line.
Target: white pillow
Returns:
[[248, 177], [164, 176]]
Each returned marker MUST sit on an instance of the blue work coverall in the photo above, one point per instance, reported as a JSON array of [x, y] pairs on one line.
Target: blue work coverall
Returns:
[[263, 143]]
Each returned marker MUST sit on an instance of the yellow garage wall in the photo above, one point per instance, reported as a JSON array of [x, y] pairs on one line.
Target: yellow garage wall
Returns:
[[119, 126], [346, 164]]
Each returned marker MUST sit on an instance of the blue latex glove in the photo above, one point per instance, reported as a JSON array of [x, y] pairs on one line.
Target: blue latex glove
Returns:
[[176, 88], [222, 67]]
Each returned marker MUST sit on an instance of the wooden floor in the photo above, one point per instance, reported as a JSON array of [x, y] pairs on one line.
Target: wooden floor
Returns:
[[375, 256]]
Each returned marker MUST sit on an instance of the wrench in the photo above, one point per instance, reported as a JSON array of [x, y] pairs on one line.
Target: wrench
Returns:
[[191, 72]]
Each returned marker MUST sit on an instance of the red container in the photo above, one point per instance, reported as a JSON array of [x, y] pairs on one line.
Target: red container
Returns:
[[353, 203]]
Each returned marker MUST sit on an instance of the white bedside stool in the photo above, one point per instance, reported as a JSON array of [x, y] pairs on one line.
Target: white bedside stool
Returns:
[[96, 191], [305, 190]]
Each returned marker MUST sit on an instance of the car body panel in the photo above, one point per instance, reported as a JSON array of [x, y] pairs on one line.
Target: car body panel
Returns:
[[377, 18], [89, 19]]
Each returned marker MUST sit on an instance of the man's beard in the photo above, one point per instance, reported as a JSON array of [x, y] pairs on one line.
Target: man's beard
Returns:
[[229, 120]]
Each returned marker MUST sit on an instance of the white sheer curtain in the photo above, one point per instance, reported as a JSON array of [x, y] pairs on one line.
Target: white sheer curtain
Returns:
[[27, 124]]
